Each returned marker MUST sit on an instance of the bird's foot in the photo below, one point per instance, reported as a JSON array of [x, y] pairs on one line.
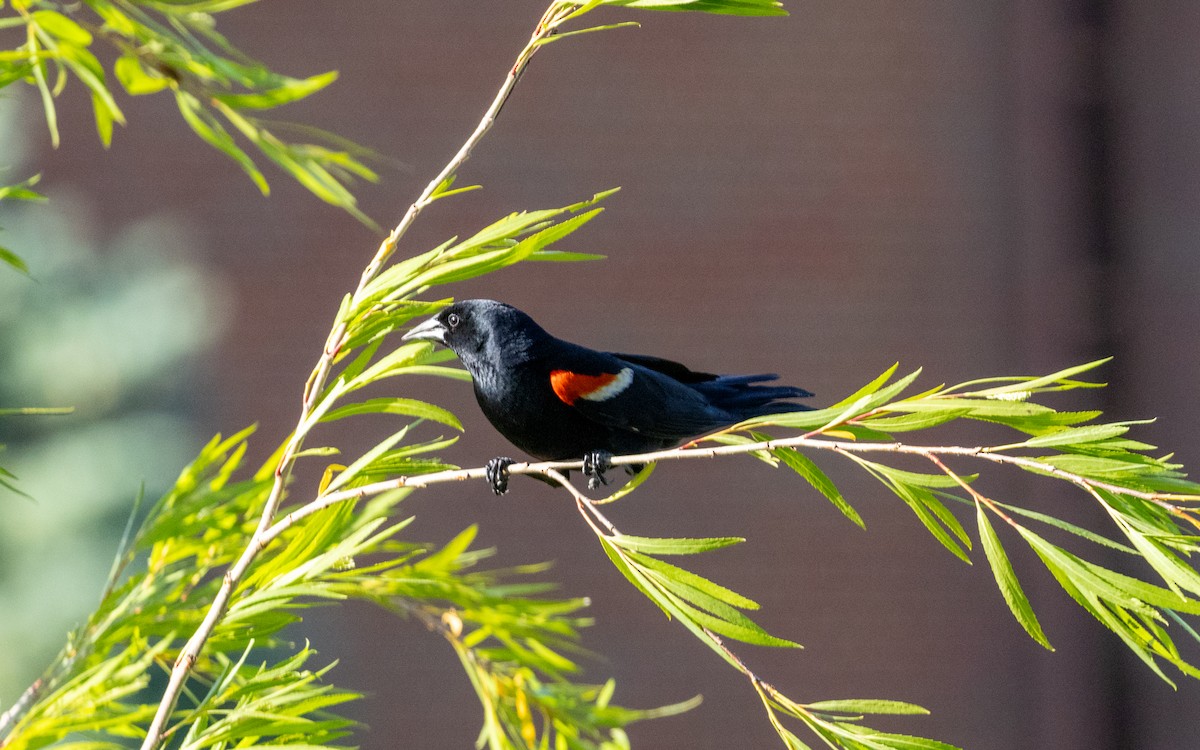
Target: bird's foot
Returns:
[[595, 463], [497, 473]]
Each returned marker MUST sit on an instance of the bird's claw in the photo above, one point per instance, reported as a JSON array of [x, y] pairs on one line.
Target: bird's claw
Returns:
[[595, 463], [497, 473]]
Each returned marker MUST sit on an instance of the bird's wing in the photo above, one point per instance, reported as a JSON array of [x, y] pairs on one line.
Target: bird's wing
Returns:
[[624, 394], [673, 370]]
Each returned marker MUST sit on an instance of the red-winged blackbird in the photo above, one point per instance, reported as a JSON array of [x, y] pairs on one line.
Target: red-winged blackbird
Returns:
[[559, 401]]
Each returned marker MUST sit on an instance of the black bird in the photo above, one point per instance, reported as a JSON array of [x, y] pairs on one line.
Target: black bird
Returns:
[[560, 401]]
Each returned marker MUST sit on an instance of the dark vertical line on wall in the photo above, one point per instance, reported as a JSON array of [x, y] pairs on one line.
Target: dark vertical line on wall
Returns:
[[1095, 120]]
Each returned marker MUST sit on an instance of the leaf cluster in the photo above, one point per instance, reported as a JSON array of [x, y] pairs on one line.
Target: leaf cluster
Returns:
[[1152, 505], [712, 612], [174, 47], [252, 686]]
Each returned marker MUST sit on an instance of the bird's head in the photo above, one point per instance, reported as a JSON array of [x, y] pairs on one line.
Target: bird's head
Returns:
[[480, 331]]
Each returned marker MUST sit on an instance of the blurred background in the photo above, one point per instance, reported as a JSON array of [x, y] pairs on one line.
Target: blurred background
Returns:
[[984, 188]]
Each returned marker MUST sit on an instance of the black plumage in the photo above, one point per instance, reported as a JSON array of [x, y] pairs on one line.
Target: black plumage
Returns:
[[557, 400]]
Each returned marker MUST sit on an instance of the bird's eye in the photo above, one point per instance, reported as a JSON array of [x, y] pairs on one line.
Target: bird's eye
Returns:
[[452, 320]]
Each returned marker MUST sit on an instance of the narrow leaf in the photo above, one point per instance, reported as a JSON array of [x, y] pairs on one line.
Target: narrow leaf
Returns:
[[805, 467], [405, 406], [12, 259], [868, 706], [677, 546], [1079, 435], [688, 578], [1006, 579]]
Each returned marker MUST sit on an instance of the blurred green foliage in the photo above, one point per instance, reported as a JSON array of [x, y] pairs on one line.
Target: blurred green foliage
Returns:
[[114, 330], [174, 48]]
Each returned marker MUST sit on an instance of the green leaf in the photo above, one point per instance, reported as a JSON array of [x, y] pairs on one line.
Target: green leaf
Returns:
[[923, 480], [805, 467], [1096, 466], [135, 79], [975, 407], [1019, 386], [1109, 597], [914, 421], [560, 256], [933, 514], [1068, 527], [936, 517], [890, 741], [381, 321], [722, 7], [869, 388], [359, 363], [739, 628], [669, 572], [207, 127], [448, 555], [39, 77], [870, 401], [637, 481], [1080, 435], [87, 69], [464, 268], [868, 706], [62, 27], [1177, 574], [1109, 584], [1007, 581], [22, 191], [366, 459], [291, 89], [10, 258], [678, 546], [635, 577], [36, 410], [405, 406], [452, 373], [104, 116], [443, 189]]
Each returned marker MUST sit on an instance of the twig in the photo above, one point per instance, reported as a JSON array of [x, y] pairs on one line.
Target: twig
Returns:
[[975, 494], [10, 717], [554, 15], [552, 469]]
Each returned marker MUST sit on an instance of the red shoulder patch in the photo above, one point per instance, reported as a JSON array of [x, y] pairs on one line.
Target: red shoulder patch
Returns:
[[572, 386]]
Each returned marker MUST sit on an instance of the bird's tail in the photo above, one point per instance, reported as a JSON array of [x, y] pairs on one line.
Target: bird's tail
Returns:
[[741, 396]]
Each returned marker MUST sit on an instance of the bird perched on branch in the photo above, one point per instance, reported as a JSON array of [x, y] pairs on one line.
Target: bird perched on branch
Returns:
[[560, 401]]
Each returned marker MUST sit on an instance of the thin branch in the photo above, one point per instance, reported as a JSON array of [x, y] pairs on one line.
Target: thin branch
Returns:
[[554, 16], [552, 469], [975, 494], [14, 713], [587, 506]]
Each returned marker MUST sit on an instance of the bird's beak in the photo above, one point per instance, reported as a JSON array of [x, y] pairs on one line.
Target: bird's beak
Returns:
[[430, 330]]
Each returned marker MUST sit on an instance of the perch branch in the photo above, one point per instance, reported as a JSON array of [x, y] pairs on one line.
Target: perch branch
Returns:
[[553, 469]]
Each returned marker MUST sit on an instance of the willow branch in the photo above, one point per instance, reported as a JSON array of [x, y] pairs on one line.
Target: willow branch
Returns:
[[552, 469], [155, 735], [10, 717]]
